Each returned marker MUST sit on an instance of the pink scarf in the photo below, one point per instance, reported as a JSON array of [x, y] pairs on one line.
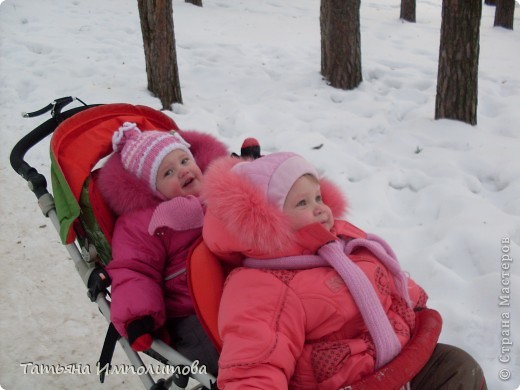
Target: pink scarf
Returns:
[[335, 254]]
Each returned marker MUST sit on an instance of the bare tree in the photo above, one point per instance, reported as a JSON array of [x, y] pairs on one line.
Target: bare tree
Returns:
[[341, 43], [159, 50], [408, 10], [504, 14], [457, 79], [195, 2]]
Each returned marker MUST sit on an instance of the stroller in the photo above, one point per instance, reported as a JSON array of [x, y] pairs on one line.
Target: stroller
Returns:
[[85, 223]]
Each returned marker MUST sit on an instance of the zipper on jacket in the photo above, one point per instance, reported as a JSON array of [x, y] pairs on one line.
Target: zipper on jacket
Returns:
[[175, 274]]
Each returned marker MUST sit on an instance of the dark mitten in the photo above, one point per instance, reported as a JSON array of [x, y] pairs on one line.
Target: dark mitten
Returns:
[[140, 333], [250, 149]]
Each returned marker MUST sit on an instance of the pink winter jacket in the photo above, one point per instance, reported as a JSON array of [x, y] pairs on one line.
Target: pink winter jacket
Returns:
[[296, 329], [302, 329], [148, 270]]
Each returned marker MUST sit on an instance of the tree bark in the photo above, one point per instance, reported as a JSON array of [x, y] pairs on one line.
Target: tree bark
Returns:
[[341, 43], [457, 79], [159, 50], [504, 14], [408, 10]]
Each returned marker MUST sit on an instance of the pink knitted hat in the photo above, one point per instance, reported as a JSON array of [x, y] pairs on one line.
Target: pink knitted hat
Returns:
[[275, 174], [143, 152]]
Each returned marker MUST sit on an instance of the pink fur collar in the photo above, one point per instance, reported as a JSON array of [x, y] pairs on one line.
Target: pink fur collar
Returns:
[[245, 218], [123, 191]]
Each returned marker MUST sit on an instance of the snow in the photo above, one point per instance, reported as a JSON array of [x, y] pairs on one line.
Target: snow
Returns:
[[445, 194]]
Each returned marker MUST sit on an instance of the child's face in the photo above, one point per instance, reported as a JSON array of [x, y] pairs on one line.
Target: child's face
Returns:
[[304, 206], [178, 175]]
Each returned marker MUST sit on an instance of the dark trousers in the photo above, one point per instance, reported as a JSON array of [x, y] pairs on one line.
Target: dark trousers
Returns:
[[450, 368], [190, 340]]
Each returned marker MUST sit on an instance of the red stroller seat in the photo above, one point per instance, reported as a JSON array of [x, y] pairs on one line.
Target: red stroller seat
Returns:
[[206, 276]]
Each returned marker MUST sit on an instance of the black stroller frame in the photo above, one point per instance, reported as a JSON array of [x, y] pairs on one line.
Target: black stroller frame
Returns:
[[95, 279]]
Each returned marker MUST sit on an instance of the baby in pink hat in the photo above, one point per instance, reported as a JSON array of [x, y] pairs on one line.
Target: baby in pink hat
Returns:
[[315, 302], [153, 181]]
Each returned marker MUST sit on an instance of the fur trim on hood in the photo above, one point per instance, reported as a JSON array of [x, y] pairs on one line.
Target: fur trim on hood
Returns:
[[239, 217], [125, 193]]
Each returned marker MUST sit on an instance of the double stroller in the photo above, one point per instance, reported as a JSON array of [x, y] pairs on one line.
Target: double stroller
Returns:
[[81, 140]]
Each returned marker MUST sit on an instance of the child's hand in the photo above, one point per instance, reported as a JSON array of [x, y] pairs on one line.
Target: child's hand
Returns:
[[140, 333], [180, 213], [142, 343]]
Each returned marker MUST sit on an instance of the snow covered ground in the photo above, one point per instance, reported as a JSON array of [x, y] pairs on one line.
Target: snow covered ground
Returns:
[[446, 195]]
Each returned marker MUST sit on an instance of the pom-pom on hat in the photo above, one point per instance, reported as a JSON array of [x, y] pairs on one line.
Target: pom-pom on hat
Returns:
[[275, 174], [143, 152]]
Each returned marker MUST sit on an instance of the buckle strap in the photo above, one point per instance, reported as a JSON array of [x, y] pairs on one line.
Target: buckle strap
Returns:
[[107, 352]]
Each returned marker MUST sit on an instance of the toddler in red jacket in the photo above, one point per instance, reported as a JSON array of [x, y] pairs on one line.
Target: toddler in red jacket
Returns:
[[315, 302], [153, 181]]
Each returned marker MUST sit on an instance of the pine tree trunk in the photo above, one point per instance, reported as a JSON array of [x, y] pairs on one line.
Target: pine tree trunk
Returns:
[[457, 79], [159, 50], [504, 13], [341, 43], [408, 10]]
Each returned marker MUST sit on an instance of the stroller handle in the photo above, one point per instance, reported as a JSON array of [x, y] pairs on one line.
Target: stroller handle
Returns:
[[37, 182]]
